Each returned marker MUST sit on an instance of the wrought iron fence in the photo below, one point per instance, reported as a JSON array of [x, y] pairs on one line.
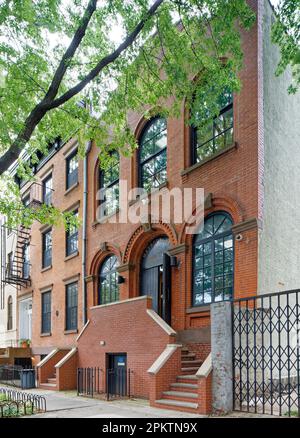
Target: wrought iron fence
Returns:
[[90, 381], [16, 403], [17, 376], [114, 383], [266, 353]]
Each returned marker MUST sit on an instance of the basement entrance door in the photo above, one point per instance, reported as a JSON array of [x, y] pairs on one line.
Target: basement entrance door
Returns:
[[156, 276]]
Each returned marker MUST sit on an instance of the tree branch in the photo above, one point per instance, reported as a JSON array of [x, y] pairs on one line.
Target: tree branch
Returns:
[[104, 62], [49, 102]]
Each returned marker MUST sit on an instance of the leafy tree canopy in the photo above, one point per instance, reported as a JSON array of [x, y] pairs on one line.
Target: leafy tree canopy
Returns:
[[55, 53], [286, 33]]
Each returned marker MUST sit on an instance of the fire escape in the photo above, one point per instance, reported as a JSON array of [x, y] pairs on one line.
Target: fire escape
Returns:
[[15, 262]]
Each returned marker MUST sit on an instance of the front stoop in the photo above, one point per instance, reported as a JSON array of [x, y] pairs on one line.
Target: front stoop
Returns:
[[183, 395]]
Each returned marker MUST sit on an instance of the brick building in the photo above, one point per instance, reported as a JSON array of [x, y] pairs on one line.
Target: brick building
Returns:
[[113, 295]]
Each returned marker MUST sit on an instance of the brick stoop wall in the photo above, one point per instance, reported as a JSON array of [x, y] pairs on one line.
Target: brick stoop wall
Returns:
[[173, 386], [46, 369], [130, 327], [66, 371]]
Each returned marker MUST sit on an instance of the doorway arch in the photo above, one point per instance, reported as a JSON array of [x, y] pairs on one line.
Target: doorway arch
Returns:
[[155, 279]]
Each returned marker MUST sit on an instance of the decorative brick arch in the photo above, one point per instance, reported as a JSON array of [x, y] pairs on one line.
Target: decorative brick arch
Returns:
[[141, 238], [101, 255], [219, 203]]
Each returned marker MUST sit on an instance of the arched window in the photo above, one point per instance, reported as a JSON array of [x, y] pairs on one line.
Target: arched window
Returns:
[[108, 281], [216, 135], [153, 154], [213, 260], [109, 186], [9, 313]]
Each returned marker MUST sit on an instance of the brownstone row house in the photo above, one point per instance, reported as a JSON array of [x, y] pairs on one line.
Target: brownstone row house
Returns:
[[138, 296]]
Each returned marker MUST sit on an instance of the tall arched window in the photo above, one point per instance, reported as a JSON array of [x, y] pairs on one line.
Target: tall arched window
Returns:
[[9, 313], [153, 154], [216, 135], [109, 186], [108, 281], [213, 260]]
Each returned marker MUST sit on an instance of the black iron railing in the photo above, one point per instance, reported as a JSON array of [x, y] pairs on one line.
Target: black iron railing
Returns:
[[17, 376], [90, 381], [15, 403], [113, 383], [266, 353]]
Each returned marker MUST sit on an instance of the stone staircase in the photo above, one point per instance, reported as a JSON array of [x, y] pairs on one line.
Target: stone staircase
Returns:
[[50, 383], [183, 394]]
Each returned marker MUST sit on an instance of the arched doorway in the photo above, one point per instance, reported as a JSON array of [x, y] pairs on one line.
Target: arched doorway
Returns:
[[156, 276]]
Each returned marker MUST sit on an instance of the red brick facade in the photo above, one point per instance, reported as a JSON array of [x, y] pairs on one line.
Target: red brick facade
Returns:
[[230, 180]]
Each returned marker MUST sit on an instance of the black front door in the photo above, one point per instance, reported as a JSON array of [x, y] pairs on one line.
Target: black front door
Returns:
[[156, 277], [117, 374]]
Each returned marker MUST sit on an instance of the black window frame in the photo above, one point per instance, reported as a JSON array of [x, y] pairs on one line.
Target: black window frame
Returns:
[[71, 237], [108, 209], [194, 140], [47, 195], [142, 163], [213, 276], [10, 322], [46, 314], [113, 276], [46, 257], [71, 316], [71, 177]]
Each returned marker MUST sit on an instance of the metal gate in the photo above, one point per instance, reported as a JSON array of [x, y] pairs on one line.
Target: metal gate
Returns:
[[266, 359]]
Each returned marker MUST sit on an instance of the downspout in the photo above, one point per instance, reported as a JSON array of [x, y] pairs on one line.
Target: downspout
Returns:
[[84, 230]]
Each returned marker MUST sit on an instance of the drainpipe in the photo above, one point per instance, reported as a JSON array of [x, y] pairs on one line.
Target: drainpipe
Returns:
[[84, 229]]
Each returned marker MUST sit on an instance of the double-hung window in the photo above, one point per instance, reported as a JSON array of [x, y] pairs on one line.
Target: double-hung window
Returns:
[[47, 190], [47, 249], [72, 238], [109, 187], [72, 169], [46, 312], [71, 306]]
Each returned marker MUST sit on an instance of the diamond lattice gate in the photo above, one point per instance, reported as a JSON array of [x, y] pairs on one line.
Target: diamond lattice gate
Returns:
[[266, 360]]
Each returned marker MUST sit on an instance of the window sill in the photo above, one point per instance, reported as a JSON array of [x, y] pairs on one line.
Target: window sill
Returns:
[[104, 219], [71, 256], [70, 332], [207, 160], [198, 309], [147, 194], [71, 188], [43, 335], [46, 268]]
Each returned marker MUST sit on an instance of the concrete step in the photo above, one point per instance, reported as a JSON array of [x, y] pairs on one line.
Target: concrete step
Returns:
[[192, 387], [51, 380], [187, 378], [180, 394], [48, 385], [186, 356], [189, 370], [191, 363], [173, 404]]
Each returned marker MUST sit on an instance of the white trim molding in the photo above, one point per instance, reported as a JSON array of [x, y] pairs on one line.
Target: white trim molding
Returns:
[[66, 358], [163, 358], [161, 322], [206, 368], [83, 329], [49, 356]]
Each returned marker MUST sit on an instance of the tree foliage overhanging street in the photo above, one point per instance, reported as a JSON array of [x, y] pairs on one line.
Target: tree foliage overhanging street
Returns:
[[56, 53]]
